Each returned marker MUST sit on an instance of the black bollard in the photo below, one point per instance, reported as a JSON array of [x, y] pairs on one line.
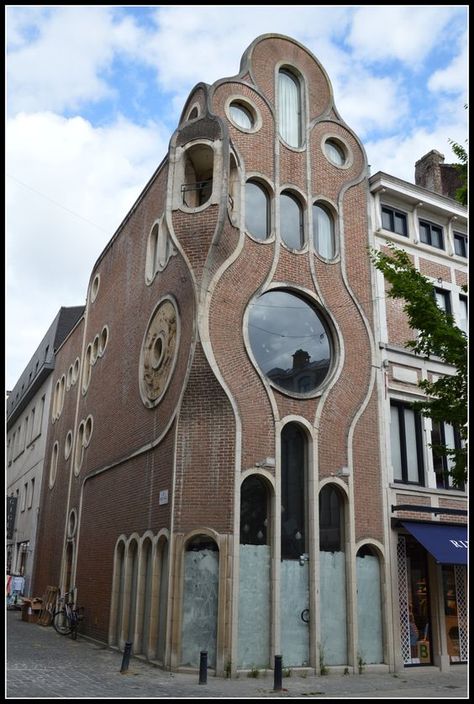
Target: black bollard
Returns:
[[277, 686], [203, 667], [126, 656]]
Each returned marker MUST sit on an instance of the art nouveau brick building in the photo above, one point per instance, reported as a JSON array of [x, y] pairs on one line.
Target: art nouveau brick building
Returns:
[[216, 479]]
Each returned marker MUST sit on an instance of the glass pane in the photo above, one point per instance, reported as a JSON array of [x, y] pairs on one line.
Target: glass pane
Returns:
[[289, 341], [460, 245], [387, 219], [323, 232], [289, 111], [256, 210], [291, 221], [334, 153], [418, 604], [241, 116], [463, 314], [400, 224], [293, 514], [441, 300], [330, 515], [438, 464], [253, 512], [451, 613], [395, 443], [437, 237], [425, 233], [411, 446]]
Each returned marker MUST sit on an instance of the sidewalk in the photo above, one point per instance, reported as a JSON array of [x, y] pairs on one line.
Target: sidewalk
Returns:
[[43, 664]]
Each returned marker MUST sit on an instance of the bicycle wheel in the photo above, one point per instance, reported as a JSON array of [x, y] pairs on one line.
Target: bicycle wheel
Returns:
[[61, 623]]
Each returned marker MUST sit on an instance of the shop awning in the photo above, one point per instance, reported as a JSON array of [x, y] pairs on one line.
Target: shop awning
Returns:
[[447, 543]]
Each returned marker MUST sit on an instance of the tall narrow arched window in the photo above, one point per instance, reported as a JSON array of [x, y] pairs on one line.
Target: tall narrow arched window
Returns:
[[255, 575], [289, 108], [332, 588], [323, 232], [257, 210], [294, 568], [291, 221]]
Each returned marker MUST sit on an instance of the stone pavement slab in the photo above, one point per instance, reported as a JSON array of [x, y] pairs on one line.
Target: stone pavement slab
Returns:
[[43, 664]]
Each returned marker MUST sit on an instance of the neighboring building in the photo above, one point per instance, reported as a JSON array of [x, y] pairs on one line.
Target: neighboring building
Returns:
[[27, 427], [217, 479], [428, 516]]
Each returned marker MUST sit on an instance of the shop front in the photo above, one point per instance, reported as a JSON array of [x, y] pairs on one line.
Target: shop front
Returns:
[[432, 588]]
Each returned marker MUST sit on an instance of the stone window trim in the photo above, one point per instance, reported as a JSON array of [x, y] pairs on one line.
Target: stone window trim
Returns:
[[249, 106], [299, 77], [333, 137], [83, 439], [58, 398], [68, 445], [159, 357], [309, 297], [53, 467], [194, 112], [94, 288], [180, 181], [72, 524], [103, 340]]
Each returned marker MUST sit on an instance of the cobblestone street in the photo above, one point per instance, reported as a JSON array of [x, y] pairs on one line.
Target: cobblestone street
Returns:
[[43, 664]]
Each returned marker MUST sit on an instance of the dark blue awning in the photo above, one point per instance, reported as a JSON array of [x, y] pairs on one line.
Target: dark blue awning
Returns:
[[447, 543]]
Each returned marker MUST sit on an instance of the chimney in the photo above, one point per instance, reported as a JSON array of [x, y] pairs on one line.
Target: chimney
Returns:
[[432, 173]]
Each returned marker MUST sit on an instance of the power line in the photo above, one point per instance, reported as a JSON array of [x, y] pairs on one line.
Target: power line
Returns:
[[59, 205]]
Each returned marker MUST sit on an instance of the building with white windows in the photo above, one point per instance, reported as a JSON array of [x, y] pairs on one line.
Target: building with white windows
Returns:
[[426, 515], [27, 427]]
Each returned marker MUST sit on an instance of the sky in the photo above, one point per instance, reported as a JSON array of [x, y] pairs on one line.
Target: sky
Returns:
[[94, 94]]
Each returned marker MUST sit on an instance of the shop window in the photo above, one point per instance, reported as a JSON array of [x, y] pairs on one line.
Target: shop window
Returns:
[[289, 108], [291, 221], [415, 612], [257, 210], [406, 444], [455, 612], [323, 231], [198, 174]]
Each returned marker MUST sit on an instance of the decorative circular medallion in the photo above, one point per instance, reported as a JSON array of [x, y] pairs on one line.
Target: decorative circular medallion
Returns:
[[158, 353]]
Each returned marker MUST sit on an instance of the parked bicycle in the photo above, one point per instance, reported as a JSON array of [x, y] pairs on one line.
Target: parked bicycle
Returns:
[[66, 618]]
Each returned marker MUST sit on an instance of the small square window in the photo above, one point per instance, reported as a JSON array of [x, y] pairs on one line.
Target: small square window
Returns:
[[431, 234], [394, 220]]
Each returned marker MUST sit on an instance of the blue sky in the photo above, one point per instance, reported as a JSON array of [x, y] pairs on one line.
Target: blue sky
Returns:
[[94, 94]]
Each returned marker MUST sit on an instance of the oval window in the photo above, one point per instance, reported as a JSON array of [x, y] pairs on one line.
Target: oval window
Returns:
[[241, 116], [290, 341], [334, 152]]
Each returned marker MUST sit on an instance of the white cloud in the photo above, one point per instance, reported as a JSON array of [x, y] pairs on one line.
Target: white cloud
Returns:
[[453, 78], [65, 62], [69, 187], [406, 33]]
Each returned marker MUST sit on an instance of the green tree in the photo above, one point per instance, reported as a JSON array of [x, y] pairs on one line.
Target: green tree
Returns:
[[461, 193], [437, 336]]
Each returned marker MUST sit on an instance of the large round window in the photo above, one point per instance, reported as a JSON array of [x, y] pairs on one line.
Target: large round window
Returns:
[[290, 341]]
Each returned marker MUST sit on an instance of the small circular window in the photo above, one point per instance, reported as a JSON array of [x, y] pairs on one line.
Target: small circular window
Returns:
[[290, 341], [335, 152], [241, 115]]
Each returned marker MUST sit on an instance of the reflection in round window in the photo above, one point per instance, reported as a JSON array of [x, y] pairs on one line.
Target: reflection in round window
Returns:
[[334, 152], [241, 116], [290, 341]]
